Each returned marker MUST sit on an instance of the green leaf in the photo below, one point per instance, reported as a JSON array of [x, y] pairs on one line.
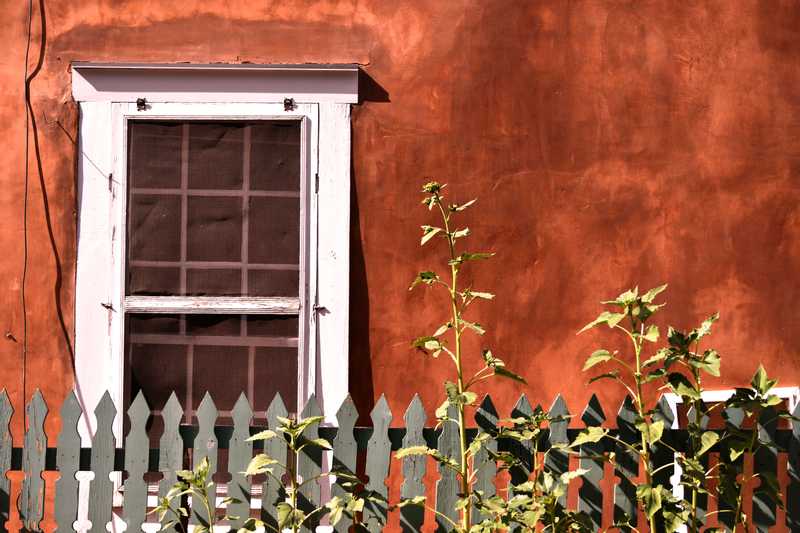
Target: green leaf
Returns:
[[592, 434], [614, 374], [428, 233], [710, 362], [482, 295], [427, 278], [654, 431], [461, 233], [433, 187], [650, 498], [651, 334], [681, 385], [441, 411], [442, 329], [259, 464], [707, 441], [411, 451], [761, 383], [463, 206], [502, 371], [428, 344], [263, 435], [650, 295], [470, 256], [606, 317], [705, 327], [597, 357], [319, 443], [474, 326]]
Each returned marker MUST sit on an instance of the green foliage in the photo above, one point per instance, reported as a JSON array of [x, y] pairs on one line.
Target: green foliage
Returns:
[[172, 510], [680, 366], [447, 338]]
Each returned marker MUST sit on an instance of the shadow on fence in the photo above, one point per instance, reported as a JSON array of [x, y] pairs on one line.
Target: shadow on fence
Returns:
[[357, 449]]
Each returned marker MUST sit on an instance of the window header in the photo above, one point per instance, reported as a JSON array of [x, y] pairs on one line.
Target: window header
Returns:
[[186, 82]]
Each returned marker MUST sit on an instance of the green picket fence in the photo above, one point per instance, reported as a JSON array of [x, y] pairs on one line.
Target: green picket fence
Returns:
[[136, 457]]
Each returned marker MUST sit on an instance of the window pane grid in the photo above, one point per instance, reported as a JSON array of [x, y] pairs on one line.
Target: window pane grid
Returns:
[[214, 225], [194, 212]]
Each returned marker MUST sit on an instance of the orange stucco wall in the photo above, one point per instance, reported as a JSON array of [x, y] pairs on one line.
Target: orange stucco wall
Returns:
[[610, 143]]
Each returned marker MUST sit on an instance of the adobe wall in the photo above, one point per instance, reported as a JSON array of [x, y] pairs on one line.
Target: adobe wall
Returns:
[[609, 144]]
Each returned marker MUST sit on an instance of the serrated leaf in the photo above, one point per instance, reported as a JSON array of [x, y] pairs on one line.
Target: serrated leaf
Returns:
[[597, 357], [461, 233], [681, 386], [263, 435], [259, 464], [589, 435], [608, 375], [428, 233], [651, 335], [650, 295], [427, 278], [411, 451], [463, 206], [502, 371], [474, 326], [707, 441]]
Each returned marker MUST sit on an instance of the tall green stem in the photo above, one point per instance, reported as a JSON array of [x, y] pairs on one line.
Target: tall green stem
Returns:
[[645, 455], [456, 316]]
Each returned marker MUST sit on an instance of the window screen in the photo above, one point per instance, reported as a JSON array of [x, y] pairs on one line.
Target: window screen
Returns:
[[213, 211]]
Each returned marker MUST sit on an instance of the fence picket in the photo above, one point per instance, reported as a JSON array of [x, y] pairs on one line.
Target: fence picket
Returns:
[[31, 500], [6, 444], [557, 461], [271, 491], [205, 447], [765, 463], [627, 467], [793, 490], [378, 455], [35, 455], [170, 457], [344, 454], [447, 485], [68, 462], [413, 516], [309, 465], [137, 447], [239, 454], [590, 493], [486, 418], [101, 490]]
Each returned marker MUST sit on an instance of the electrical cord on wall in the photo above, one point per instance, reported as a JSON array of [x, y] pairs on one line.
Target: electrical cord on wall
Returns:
[[25, 224]]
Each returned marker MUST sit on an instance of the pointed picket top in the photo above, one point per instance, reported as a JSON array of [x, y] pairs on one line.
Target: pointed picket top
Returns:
[[37, 404], [347, 415], [381, 415], [691, 416], [139, 411], [558, 428], [276, 408], [312, 407], [105, 410], [207, 410], [415, 413], [522, 407], [486, 415], [627, 411], [172, 412], [242, 412], [664, 412], [593, 414], [70, 409]]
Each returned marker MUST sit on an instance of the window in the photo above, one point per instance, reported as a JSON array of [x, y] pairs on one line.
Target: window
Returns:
[[213, 229]]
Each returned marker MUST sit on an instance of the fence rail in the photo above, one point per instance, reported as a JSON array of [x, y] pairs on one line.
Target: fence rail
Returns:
[[357, 449]]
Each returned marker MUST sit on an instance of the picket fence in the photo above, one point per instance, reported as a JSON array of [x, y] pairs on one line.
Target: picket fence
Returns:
[[206, 438]]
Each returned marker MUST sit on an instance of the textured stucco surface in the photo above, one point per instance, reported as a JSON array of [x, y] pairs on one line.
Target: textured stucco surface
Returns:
[[609, 143]]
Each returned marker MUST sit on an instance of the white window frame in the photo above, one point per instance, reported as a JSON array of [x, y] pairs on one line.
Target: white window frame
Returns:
[[321, 99]]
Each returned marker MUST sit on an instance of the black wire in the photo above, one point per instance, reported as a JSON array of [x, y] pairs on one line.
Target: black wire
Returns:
[[25, 226]]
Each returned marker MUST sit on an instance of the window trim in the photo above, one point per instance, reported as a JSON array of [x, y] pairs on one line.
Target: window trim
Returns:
[[102, 195]]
